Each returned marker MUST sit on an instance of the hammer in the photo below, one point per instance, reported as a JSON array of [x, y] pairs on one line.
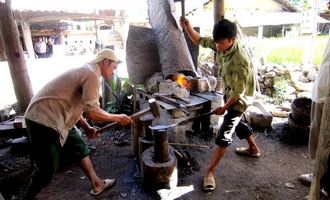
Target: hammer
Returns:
[[153, 108]]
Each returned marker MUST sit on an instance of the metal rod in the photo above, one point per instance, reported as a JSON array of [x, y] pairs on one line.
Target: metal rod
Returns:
[[189, 145]]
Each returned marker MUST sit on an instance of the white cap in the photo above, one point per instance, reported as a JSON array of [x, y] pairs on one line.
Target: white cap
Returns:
[[105, 54]]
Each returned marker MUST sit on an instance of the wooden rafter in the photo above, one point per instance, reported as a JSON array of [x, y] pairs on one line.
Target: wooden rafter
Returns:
[[56, 16]]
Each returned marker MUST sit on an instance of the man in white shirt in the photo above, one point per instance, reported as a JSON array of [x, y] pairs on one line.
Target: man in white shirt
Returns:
[[320, 92], [40, 48], [53, 113]]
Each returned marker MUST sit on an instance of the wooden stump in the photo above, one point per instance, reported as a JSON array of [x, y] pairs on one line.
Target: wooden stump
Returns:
[[157, 176], [144, 144], [136, 131]]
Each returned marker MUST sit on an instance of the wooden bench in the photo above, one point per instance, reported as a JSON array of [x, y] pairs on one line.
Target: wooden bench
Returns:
[[13, 128]]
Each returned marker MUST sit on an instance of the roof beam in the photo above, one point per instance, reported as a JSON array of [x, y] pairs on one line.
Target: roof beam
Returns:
[[47, 18]]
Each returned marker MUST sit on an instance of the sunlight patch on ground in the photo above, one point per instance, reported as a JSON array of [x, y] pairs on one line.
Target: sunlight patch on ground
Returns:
[[174, 193]]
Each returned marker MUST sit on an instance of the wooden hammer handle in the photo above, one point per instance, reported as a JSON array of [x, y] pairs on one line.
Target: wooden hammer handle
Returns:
[[107, 127], [134, 117]]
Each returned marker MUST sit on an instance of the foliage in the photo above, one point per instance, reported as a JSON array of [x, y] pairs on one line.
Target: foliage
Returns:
[[280, 87], [302, 4], [307, 4], [286, 54], [285, 50], [121, 93], [280, 50]]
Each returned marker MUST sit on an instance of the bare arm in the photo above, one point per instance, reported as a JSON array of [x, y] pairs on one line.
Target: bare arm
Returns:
[[221, 110], [82, 122], [102, 116], [90, 131], [193, 35]]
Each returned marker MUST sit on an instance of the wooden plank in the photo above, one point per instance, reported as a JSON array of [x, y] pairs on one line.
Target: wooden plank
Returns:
[[13, 128], [69, 16]]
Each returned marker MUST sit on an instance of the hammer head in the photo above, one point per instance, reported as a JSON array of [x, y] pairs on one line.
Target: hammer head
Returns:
[[154, 107]]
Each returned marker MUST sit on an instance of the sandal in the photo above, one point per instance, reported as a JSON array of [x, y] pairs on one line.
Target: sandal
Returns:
[[246, 152], [108, 183], [209, 184]]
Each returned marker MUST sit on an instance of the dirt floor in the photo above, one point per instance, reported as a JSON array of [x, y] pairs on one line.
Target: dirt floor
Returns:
[[273, 176]]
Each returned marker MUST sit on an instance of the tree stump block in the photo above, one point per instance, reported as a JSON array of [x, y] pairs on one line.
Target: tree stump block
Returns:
[[156, 175]]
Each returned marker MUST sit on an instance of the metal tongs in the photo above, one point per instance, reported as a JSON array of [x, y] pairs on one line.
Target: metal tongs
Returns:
[[183, 122]]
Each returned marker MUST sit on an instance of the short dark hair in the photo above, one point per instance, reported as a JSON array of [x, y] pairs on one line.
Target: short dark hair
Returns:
[[224, 29]]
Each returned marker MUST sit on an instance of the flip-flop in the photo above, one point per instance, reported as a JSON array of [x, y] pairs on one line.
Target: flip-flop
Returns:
[[246, 152], [108, 183], [209, 184], [306, 178]]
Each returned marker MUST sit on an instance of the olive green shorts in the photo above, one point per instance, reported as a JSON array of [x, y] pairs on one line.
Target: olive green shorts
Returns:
[[46, 150]]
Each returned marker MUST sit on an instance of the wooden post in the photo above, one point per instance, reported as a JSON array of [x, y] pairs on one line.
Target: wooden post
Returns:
[[219, 10], [322, 154], [27, 38], [136, 129], [219, 13], [323, 146], [60, 38], [183, 8], [15, 57], [2, 49]]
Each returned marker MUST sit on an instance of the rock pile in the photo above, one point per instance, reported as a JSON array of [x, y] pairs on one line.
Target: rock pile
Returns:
[[296, 79]]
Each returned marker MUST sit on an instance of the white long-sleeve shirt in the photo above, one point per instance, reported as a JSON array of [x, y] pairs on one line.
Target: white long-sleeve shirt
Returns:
[[321, 85]]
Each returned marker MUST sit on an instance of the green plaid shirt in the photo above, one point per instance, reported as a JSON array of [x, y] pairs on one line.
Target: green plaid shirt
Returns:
[[236, 73]]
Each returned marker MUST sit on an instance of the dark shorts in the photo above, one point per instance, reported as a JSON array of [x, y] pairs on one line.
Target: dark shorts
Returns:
[[232, 123], [46, 150]]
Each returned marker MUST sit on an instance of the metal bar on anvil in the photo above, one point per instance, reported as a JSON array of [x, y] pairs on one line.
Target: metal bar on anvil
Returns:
[[209, 96], [167, 100], [194, 100], [200, 96], [175, 98], [172, 102], [180, 99]]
